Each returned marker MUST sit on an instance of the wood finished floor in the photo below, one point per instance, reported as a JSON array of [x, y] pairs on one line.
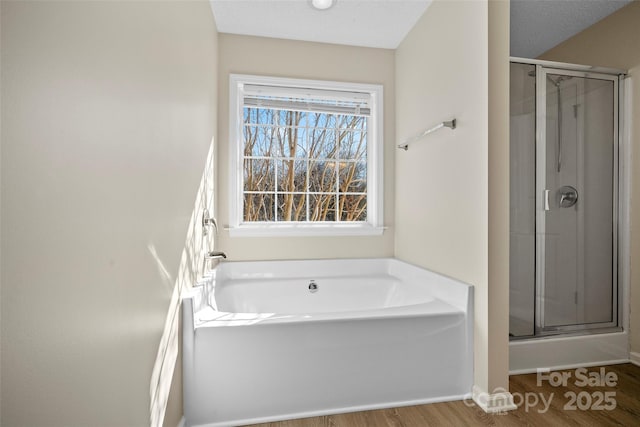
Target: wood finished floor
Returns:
[[626, 412]]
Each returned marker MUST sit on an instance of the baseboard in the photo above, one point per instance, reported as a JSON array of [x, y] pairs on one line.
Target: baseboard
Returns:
[[182, 422], [634, 358], [500, 401]]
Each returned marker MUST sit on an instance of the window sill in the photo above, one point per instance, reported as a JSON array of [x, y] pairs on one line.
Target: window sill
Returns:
[[305, 230]]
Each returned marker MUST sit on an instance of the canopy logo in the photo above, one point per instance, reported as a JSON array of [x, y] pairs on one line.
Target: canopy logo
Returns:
[[586, 399]]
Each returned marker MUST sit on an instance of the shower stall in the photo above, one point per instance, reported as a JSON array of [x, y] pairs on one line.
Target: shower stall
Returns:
[[565, 211]]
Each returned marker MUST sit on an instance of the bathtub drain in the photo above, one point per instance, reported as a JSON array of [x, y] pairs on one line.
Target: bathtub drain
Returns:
[[313, 286]]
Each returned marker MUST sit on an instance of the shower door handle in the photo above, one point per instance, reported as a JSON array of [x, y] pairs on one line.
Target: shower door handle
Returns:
[[546, 200]]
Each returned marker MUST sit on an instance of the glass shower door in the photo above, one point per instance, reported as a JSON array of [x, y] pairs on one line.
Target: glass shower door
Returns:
[[522, 191], [576, 170]]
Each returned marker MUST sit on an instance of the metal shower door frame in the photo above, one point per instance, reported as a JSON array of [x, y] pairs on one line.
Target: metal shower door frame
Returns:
[[542, 69]]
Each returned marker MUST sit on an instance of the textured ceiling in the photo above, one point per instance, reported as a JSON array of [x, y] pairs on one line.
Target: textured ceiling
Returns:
[[536, 25], [539, 25]]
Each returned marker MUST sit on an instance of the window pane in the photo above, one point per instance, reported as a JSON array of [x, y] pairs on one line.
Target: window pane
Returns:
[[259, 207], [279, 117], [322, 143], [353, 207], [250, 139], [322, 120], [292, 175], [250, 115], [259, 175], [303, 142], [266, 116], [353, 177], [292, 207], [260, 116], [353, 145], [293, 142], [322, 207], [260, 141], [322, 176], [349, 122]]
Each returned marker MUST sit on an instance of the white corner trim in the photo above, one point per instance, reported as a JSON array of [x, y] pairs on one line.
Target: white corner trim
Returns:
[[634, 358], [500, 401], [182, 422]]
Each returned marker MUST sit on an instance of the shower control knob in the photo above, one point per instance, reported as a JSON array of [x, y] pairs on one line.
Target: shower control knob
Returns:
[[567, 196]]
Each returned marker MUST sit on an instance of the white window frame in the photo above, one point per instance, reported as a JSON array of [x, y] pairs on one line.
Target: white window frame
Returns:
[[374, 223]]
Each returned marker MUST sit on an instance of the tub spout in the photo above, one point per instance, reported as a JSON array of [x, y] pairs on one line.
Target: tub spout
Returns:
[[215, 255]]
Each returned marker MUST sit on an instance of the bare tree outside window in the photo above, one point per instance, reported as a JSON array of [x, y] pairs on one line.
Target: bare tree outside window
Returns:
[[304, 166]]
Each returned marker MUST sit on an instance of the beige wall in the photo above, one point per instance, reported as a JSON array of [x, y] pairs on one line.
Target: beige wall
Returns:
[[498, 296], [442, 181], [285, 58], [103, 148], [108, 111], [614, 42]]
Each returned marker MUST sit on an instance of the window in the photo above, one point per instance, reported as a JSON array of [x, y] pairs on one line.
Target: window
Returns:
[[306, 157]]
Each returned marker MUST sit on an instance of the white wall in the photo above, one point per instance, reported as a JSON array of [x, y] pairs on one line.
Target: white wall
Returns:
[[442, 181], [108, 113], [286, 58]]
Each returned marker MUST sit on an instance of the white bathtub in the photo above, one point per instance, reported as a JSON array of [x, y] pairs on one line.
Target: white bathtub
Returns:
[[259, 346]]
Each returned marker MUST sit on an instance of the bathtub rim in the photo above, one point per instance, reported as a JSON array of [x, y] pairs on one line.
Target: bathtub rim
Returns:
[[456, 300], [393, 264], [265, 319]]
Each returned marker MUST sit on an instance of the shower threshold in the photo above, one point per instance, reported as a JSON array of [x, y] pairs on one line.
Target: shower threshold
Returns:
[[605, 346]]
